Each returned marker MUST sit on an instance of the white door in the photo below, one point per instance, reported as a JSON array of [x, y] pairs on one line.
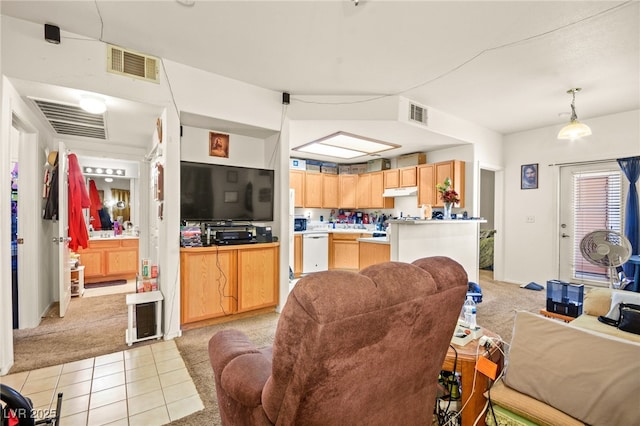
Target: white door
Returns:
[[62, 239], [590, 199]]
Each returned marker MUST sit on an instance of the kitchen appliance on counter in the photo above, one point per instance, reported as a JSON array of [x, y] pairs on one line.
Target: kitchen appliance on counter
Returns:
[[299, 224]]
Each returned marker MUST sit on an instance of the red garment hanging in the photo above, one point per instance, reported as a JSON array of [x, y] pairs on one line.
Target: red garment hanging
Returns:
[[78, 200], [96, 206]]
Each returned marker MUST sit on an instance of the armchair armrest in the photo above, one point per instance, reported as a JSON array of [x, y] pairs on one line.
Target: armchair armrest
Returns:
[[241, 369]]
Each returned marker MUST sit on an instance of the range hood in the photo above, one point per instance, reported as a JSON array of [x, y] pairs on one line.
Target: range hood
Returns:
[[400, 192]]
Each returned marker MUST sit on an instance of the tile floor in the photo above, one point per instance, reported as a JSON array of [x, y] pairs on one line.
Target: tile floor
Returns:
[[148, 385]]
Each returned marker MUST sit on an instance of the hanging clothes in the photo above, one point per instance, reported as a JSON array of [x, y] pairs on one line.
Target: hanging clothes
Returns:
[[51, 206], [78, 200], [96, 206]]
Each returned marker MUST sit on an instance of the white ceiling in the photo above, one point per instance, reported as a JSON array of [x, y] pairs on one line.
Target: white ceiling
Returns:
[[503, 65]]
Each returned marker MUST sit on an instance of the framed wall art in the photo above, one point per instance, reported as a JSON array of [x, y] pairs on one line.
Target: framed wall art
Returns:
[[218, 145], [529, 176]]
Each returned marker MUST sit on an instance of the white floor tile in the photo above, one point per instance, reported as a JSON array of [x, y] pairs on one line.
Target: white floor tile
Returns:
[[184, 407], [108, 413], [154, 417]]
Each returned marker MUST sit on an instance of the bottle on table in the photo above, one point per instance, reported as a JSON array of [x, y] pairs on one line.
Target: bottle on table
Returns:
[[469, 309]]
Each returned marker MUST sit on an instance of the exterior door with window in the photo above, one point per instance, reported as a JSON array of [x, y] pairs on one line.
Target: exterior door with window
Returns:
[[590, 199]]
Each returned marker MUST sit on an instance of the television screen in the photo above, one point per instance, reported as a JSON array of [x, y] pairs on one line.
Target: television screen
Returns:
[[216, 192]]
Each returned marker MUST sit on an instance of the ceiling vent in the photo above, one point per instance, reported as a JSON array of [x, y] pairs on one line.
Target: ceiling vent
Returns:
[[417, 113], [72, 120], [126, 62]]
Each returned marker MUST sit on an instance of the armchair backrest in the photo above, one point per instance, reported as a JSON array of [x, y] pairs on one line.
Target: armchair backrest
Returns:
[[364, 348]]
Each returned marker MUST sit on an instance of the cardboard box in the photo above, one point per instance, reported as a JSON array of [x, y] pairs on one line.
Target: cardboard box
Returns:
[[411, 159], [344, 169], [378, 165], [329, 170], [357, 169], [313, 168], [297, 164]]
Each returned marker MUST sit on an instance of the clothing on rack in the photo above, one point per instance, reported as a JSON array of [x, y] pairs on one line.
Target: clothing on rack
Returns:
[[51, 206]]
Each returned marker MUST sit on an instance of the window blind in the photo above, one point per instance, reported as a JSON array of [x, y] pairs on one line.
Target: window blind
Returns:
[[597, 204]]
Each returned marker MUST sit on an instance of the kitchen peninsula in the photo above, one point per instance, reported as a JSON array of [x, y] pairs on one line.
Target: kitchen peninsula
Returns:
[[413, 239]]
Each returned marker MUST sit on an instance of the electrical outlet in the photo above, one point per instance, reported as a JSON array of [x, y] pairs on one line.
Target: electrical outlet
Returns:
[[530, 219]]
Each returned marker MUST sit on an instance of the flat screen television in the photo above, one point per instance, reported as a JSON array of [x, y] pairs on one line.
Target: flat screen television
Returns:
[[210, 192]]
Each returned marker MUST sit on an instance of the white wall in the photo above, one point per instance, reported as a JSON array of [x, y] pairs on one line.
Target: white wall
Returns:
[[244, 151], [531, 248]]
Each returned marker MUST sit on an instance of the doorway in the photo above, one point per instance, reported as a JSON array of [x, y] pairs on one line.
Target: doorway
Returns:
[[487, 210]]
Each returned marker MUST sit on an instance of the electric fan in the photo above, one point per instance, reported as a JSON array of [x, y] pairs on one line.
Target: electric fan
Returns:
[[606, 248]]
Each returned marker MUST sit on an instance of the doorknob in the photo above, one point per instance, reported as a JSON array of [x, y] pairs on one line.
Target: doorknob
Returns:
[[565, 235]]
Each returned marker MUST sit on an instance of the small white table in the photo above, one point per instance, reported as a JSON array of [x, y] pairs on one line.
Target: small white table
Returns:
[[134, 299]]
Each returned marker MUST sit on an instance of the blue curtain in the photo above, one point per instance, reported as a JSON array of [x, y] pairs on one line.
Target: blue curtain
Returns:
[[631, 168]]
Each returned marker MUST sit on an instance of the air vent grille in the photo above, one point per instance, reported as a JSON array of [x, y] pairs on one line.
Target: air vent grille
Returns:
[[72, 120], [418, 114], [132, 64]]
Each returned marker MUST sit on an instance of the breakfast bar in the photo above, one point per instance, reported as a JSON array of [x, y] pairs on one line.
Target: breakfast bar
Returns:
[[413, 239]]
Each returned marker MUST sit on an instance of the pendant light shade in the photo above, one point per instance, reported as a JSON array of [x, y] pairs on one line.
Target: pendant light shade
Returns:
[[575, 129]]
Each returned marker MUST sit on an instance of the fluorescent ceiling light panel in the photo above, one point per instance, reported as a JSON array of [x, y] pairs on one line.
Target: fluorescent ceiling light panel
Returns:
[[345, 145]]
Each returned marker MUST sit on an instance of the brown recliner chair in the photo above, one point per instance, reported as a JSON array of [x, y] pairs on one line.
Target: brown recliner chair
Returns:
[[350, 349]]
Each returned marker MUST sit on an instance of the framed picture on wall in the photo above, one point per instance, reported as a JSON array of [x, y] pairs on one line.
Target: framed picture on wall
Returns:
[[218, 145], [529, 176]]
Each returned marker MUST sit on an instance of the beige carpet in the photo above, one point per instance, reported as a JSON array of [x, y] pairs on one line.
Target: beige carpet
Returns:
[[96, 326]]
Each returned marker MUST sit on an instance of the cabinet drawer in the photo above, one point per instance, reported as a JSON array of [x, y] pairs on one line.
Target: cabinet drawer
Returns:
[[129, 243], [345, 236], [101, 244]]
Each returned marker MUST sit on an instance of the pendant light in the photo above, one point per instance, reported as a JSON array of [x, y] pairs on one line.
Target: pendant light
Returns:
[[575, 129]]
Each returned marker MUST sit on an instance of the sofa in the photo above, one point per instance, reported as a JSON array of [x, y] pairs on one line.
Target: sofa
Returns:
[[577, 373]]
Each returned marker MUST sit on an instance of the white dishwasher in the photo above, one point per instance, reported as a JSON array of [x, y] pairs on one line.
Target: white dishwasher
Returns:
[[315, 252]]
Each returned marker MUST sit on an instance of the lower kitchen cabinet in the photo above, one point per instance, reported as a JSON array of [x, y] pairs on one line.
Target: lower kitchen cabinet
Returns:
[[221, 281], [373, 253], [297, 255], [344, 251]]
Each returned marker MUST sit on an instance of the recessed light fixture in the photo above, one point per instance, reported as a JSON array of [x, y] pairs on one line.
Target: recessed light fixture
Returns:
[[345, 145], [93, 104], [108, 180]]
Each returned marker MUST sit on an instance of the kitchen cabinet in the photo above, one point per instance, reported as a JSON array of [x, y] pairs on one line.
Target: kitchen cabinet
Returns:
[[219, 281], [344, 251], [377, 188], [391, 178], [429, 175], [110, 259], [373, 253], [297, 255], [296, 182], [427, 193], [363, 191], [313, 190], [348, 185], [330, 191], [453, 170], [408, 176]]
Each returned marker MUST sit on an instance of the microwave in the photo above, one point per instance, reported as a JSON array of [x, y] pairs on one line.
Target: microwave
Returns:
[[299, 224]]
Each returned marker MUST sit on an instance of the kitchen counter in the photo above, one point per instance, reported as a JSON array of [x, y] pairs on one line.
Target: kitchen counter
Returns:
[[458, 239], [375, 240]]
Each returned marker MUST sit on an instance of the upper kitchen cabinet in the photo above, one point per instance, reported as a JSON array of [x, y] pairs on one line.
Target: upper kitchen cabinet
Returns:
[[427, 193], [408, 176], [363, 191], [453, 170], [313, 190], [429, 175], [391, 178], [377, 188], [348, 184], [330, 191], [296, 182]]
